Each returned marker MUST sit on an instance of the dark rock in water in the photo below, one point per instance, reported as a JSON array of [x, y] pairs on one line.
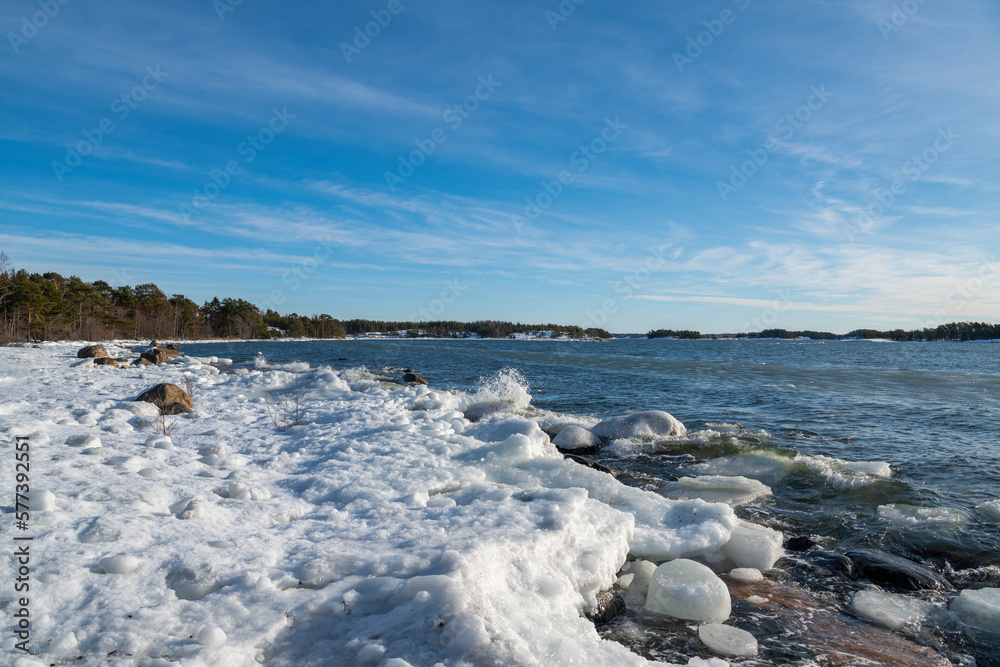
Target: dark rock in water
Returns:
[[409, 370], [92, 351], [883, 568], [589, 463], [609, 606], [413, 378], [172, 346], [800, 543], [833, 563], [341, 358], [170, 398]]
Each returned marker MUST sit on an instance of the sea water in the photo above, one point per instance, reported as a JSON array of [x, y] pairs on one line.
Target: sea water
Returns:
[[865, 445]]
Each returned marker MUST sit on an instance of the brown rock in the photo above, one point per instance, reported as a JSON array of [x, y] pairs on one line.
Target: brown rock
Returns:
[[92, 351], [825, 631], [142, 362], [37, 347], [172, 346], [170, 398], [413, 378], [106, 361], [158, 355]]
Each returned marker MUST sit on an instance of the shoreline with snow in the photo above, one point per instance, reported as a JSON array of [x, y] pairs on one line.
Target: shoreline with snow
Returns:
[[388, 528]]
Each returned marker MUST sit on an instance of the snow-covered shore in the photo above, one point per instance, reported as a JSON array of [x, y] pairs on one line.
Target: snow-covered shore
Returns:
[[386, 530]]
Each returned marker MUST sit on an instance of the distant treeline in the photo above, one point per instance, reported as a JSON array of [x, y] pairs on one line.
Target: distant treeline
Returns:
[[956, 331], [48, 306], [670, 333]]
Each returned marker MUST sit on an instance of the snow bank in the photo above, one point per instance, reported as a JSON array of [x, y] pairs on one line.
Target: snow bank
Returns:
[[388, 529]]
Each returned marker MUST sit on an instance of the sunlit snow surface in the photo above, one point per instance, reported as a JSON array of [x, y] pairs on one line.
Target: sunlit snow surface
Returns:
[[386, 530]]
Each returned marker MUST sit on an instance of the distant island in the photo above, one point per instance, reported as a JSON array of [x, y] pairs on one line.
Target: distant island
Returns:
[[956, 331], [48, 306]]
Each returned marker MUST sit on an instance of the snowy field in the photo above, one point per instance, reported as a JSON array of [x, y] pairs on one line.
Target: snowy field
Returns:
[[388, 529]]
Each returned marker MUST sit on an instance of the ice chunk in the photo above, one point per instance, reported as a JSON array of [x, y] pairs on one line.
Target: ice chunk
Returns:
[[642, 571], [211, 635], [650, 424], [991, 509], [754, 546], [685, 589], [889, 609], [41, 500], [119, 564], [980, 609], [716, 489], [576, 437], [746, 574], [913, 516], [768, 468], [727, 640]]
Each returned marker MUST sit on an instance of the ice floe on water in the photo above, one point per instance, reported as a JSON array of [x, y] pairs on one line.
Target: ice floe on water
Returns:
[[389, 527], [735, 490]]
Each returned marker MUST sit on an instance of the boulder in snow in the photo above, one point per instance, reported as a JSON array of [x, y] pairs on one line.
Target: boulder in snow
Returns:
[[170, 398], [92, 351]]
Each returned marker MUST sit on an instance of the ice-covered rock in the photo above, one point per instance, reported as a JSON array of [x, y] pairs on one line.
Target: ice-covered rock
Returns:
[[649, 424], [83, 440], [754, 546], [991, 509], [746, 574], [575, 437], [979, 608], [727, 640], [890, 610], [211, 635], [736, 490], [688, 590], [119, 564]]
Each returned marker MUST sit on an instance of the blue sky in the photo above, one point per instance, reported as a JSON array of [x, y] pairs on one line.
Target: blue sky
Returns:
[[721, 166]]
